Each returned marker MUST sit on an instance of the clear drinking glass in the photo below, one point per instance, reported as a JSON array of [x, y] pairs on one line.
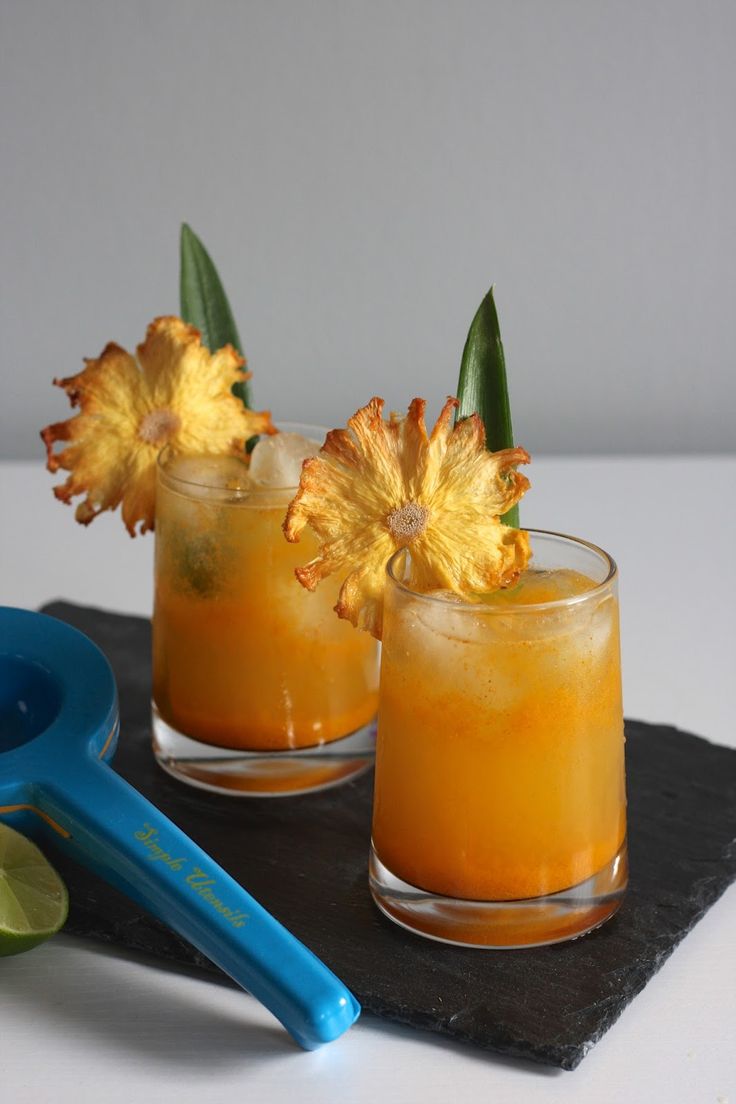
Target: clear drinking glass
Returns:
[[258, 688], [500, 810]]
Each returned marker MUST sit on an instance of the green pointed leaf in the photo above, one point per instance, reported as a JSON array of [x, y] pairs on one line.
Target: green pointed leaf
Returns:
[[482, 387], [204, 303]]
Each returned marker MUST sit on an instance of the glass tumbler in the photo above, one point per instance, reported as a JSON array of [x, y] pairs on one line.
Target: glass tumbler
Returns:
[[258, 688], [500, 810]]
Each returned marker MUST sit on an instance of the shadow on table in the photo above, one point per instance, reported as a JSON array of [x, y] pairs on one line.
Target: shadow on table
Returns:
[[182, 1032], [470, 1051], [141, 1017]]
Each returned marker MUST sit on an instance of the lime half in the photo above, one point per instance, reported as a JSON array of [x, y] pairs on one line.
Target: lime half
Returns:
[[33, 899]]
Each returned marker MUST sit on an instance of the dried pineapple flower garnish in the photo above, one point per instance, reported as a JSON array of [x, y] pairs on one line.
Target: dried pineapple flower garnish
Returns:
[[173, 392], [379, 486]]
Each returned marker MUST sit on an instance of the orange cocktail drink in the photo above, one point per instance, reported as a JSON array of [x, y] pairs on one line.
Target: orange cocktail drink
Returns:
[[500, 814], [245, 661]]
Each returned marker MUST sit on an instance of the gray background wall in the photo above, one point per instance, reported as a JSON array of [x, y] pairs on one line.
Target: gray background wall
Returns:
[[361, 172]]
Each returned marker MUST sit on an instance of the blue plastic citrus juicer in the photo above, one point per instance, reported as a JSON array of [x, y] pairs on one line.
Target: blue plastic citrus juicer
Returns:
[[58, 730]]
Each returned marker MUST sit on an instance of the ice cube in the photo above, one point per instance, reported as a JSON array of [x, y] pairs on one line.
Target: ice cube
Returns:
[[448, 615], [277, 461], [457, 644], [599, 626], [448, 596], [208, 476]]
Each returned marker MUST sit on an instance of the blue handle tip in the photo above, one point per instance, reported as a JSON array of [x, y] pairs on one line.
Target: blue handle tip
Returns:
[[329, 1023]]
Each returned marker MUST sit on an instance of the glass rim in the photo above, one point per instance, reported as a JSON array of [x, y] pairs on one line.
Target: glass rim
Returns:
[[520, 610], [168, 452]]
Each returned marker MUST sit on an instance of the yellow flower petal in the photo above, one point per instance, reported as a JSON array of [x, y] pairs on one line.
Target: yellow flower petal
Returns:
[[175, 392], [381, 485]]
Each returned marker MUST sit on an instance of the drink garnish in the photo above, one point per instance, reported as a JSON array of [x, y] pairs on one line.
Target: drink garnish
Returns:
[[172, 392], [33, 899], [204, 303], [482, 387], [379, 486]]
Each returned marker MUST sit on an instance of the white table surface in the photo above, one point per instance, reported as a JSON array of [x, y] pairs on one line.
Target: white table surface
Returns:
[[81, 1023]]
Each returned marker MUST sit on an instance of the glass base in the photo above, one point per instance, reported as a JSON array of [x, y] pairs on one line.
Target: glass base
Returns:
[[502, 925], [262, 773]]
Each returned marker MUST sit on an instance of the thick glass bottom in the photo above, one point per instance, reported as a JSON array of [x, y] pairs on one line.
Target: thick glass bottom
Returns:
[[502, 925], [262, 773]]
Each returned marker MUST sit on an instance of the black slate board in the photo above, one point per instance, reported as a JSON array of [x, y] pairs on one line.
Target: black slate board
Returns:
[[305, 859]]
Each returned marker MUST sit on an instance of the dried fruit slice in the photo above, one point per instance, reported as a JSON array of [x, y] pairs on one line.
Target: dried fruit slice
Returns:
[[173, 392], [382, 485]]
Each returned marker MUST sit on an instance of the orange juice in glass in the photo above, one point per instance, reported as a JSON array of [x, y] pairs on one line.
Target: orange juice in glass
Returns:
[[257, 687], [500, 810]]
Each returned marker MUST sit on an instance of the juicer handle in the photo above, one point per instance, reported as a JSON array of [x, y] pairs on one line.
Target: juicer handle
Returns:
[[120, 835]]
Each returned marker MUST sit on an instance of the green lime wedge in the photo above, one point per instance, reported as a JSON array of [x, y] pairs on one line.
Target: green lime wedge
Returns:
[[33, 899]]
